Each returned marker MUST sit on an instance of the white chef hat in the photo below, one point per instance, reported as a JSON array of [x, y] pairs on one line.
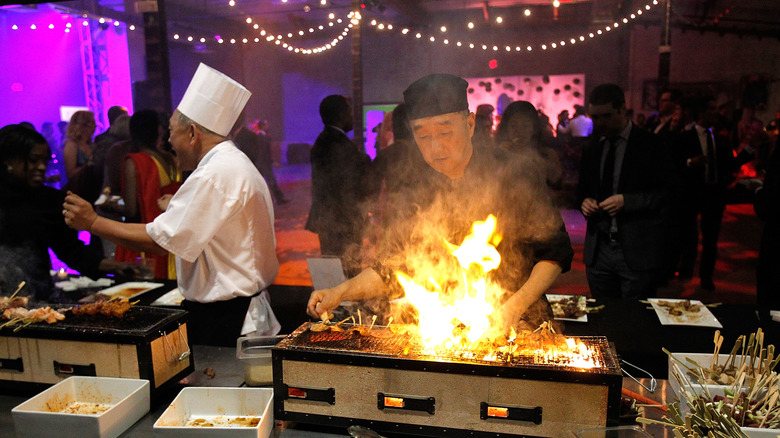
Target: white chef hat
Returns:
[[213, 100]]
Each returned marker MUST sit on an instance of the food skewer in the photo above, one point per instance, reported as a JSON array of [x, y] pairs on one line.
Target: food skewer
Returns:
[[21, 285], [373, 320]]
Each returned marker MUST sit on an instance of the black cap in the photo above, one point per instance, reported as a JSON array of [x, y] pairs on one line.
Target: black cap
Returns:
[[436, 94]]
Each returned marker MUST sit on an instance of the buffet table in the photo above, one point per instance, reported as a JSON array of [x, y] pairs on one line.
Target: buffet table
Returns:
[[631, 326]]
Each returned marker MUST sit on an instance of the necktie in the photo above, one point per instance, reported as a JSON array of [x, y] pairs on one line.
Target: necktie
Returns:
[[606, 188], [712, 164]]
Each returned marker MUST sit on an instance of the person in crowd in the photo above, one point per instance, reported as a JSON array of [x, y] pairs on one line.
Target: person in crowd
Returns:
[[563, 122], [767, 207], [107, 137], [149, 173], [623, 191], [31, 220], [56, 169], [483, 131], [78, 156], [709, 164], [640, 120], [520, 132], [253, 140], [118, 131], [579, 128], [78, 146], [659, 121], [461, 184], [219, 224], [339, 172]]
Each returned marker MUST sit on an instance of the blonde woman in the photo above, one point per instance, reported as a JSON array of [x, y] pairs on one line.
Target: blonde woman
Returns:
[[78, 144]]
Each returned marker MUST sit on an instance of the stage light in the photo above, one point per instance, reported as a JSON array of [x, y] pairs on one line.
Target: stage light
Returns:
[[527, 12], [499, 20], [493, 64], [470, 25], [51, 26]]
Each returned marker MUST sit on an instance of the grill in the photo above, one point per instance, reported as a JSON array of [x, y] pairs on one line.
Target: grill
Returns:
[[146, 343], [390, 383]]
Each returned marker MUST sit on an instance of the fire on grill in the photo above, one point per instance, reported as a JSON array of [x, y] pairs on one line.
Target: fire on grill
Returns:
[[455, 371]]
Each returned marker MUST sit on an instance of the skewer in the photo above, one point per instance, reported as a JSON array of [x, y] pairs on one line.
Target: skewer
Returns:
[[389, 321], [373, 320], [21, 285], [645, 400], [360, 318]]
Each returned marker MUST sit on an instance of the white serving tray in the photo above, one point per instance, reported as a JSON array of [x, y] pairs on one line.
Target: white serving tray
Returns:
[[128, 400], [703, 318], [130, 290], [218, 404]]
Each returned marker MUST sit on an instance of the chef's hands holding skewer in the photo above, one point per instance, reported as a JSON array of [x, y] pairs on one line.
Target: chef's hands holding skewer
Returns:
[[78, 213], [323, 301]]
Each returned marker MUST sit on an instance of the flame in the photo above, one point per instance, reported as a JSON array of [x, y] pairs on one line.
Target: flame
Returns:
[[457, 318]]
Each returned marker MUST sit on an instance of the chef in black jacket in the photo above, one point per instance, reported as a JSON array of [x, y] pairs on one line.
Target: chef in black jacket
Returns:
[[456, 185]]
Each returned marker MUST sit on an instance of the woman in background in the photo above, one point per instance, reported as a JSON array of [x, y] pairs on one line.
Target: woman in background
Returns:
[[83, 178], [148, 175], [521, 132]]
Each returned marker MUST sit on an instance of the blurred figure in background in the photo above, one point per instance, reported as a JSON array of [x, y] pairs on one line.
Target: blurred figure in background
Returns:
[[149, 174], [520, 132], [338, 182], [78, 155]]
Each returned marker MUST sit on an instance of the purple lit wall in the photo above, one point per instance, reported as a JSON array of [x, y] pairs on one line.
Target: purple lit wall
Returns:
[[42, 66]]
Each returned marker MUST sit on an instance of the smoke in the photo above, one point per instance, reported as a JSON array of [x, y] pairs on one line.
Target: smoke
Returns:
[[427, 210]]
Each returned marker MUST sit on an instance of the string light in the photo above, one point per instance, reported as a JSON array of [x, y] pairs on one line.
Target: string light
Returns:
[[529, 47]]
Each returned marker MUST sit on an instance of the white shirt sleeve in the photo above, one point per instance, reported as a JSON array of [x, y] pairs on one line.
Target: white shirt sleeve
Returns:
[[196, 212]]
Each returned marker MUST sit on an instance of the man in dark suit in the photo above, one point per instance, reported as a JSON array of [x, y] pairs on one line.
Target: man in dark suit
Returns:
[[708, 165], [338, 173], [623, 192]]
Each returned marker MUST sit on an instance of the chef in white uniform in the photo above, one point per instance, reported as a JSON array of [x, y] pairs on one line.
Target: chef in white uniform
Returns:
[[219, 224]]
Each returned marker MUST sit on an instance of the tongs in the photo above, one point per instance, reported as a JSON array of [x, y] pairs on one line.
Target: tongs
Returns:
[[653, 383]]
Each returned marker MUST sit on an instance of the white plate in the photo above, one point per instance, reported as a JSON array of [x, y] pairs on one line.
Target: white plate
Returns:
[[130, 289], [582, 304], [172, 298], [702, 318]]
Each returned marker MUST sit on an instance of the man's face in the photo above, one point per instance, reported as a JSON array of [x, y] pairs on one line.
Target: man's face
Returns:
[[181, 142], [607, 120], [445, 141], [665, 104]]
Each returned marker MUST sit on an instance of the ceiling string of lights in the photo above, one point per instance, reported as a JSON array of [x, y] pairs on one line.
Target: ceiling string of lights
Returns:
[[353, 18], [443, 39]]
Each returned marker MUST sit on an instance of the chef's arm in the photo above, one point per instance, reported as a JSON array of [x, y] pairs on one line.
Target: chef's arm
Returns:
[[80, 215], [368, 284], [542, 277]]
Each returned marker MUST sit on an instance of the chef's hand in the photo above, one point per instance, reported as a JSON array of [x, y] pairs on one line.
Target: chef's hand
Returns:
[[78, 213], [589, 207], [323, 301], [163, 202], [612, 205]]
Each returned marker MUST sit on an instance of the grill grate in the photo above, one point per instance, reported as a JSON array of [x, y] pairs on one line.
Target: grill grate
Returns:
[[405, 346]]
